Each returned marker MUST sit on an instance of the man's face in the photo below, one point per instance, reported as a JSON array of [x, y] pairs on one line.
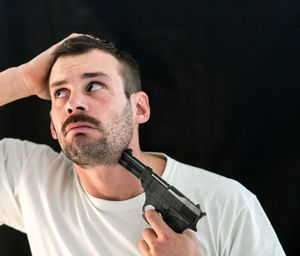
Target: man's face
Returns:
[[90, 115]]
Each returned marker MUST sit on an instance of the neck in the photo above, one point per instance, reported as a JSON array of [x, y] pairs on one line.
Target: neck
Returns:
[[114, 182]]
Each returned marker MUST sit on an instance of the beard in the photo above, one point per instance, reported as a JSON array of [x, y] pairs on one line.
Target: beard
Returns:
[[106, 150]]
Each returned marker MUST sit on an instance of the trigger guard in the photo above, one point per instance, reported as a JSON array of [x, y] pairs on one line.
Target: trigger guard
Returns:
[[147, 207]]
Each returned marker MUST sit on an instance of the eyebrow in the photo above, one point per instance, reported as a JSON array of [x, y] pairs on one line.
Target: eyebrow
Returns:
[[93, 74], [83, 76]]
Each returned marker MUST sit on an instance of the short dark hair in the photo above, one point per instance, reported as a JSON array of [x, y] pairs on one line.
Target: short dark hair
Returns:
[[129, 70]]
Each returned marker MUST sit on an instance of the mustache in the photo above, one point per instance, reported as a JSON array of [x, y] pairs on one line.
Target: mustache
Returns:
[[81, 118]]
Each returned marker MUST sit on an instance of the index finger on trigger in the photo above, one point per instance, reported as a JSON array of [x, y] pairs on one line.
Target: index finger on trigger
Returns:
[[157, 223]]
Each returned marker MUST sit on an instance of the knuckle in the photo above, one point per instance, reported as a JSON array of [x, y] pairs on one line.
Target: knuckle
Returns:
[[152, 244], [146, 232], [156, 249], [165, 238]]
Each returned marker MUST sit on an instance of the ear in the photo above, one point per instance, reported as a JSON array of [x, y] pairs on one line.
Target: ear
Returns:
[[141, 106], [52, 129]]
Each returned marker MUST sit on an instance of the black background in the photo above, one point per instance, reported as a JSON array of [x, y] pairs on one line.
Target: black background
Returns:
[[222, 77]]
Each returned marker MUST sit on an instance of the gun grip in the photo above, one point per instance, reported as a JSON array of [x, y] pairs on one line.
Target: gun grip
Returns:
[[175, 221]]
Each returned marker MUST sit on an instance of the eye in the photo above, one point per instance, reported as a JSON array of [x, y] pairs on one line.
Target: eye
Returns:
[[93, 86], [60, 93]]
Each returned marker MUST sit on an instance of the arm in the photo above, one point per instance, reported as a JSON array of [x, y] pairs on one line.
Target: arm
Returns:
[[12, 85], [27, 79]]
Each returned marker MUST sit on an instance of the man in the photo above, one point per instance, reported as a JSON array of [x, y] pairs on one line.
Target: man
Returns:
[[83, 202]]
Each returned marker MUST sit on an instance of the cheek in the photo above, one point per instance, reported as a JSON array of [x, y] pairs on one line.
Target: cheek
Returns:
[[56, 120]]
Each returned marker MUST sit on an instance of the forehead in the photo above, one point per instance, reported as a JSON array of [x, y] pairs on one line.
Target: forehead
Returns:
[[92, 61]]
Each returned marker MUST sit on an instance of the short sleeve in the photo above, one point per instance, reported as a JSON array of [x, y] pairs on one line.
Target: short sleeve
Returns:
[[252, 233], [13, 155]]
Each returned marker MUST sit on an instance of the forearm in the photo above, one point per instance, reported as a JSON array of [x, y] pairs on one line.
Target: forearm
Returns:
[[12, 85]]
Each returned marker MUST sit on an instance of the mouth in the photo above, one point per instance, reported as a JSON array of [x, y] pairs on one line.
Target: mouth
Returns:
[[80, 127]]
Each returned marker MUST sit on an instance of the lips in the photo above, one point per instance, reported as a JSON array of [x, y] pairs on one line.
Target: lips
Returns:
[[81, 122], [79, 126]]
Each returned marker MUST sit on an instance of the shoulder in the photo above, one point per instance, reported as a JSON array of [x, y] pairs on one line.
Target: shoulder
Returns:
[[11, 145], [214, 192], [235, 219], [24, 162], [19, 155], [204, 180]]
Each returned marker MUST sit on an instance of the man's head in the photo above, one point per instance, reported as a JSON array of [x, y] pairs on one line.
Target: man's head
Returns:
[[129, 69], [96, 101]]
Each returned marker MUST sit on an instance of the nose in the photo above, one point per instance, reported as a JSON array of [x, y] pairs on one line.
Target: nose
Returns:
[[77, 103]]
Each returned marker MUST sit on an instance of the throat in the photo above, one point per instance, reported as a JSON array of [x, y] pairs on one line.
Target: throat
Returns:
[[111, 183], [114, 183]]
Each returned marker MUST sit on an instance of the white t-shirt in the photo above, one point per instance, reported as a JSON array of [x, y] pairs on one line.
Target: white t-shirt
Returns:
[[41, 195]]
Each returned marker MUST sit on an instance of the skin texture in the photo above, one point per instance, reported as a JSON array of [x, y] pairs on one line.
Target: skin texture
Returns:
[[98, 118]]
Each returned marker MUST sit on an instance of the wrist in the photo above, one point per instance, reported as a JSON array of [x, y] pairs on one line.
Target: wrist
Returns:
[[12, 86], [25, 80]]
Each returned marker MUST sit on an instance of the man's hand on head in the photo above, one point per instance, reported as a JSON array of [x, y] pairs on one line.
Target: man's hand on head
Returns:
[[162, 240], [35, 72]]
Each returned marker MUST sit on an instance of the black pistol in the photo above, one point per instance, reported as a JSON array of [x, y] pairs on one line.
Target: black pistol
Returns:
[[178, 211]]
